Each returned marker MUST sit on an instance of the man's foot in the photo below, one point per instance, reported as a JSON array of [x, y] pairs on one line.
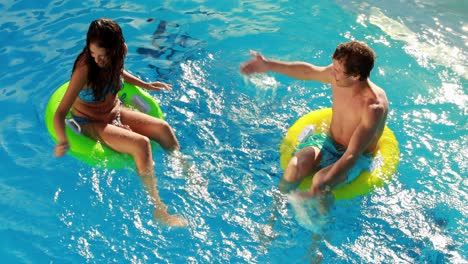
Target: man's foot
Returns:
[[170, 220]]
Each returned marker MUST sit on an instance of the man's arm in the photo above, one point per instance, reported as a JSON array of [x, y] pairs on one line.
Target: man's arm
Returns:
[[360, 140], [298, 70]]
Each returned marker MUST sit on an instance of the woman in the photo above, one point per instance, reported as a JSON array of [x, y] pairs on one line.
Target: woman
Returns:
[[98, 74]]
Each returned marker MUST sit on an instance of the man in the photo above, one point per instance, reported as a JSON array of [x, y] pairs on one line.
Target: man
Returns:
[[359, 110]]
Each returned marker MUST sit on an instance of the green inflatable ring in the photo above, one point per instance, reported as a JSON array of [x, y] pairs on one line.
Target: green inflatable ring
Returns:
[[387, 152], [88, 150]]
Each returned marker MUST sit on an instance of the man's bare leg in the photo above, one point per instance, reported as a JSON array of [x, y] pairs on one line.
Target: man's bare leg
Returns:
[[300, 165]]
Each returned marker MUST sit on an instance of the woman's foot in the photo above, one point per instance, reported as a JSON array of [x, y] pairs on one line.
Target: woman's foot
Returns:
[[168, 219]]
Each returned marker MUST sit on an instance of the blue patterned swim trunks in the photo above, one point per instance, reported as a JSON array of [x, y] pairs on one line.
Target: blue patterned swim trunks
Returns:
[[332, 151]]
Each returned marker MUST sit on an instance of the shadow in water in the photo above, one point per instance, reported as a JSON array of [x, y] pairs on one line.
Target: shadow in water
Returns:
[[170, 47]]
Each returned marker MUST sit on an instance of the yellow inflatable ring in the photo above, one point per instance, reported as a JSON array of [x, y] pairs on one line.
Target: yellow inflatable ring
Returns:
[[387, 151]]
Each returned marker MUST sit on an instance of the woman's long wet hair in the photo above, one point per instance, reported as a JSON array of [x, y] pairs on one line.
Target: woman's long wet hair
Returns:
[[357, 58], [107, 34]]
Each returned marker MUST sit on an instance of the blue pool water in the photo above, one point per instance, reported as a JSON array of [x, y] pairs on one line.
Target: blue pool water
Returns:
[[230, 128]]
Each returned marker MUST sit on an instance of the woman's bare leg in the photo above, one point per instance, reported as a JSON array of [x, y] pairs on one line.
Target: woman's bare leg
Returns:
[[158, 130], [139, 146], [154, 128]]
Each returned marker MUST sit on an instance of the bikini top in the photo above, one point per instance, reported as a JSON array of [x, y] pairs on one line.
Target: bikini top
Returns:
[[87, 94]]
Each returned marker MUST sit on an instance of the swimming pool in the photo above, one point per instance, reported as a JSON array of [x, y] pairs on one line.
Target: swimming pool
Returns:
[[61, 211]]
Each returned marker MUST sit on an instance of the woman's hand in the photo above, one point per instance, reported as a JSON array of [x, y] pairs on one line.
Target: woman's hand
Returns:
[[256, 65], [61, 148], [158, 86]]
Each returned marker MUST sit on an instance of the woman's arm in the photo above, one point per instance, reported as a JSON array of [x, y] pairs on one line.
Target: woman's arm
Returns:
[[77, 82], [157, 86]]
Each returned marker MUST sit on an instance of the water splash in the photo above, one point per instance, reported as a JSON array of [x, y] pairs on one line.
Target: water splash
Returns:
[[310, 213]]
